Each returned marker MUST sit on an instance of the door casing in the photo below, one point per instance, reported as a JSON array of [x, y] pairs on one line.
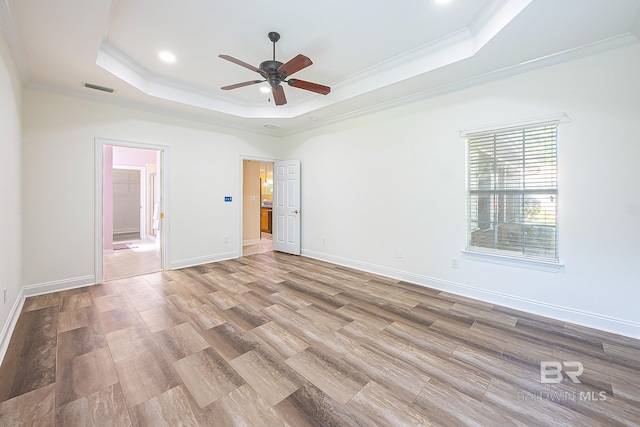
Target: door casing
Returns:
[[100, 143]]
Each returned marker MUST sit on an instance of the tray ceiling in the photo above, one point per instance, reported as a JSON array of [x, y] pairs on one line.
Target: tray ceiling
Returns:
[[372, 53]]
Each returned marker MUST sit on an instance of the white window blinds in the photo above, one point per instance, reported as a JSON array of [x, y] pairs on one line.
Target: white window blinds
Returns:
[[512, 192]]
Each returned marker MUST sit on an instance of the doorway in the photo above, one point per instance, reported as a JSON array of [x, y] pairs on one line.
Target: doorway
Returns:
[[257, 202], [130, 195]]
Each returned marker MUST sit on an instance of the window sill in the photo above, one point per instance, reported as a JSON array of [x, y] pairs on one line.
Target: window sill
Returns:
[[512, 261]]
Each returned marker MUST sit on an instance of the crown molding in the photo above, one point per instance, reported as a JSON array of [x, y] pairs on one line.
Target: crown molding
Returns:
[[9, 27], [522, 68], [109, 99]]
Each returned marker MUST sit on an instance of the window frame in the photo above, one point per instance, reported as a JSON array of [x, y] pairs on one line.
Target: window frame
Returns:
[[509, 257]]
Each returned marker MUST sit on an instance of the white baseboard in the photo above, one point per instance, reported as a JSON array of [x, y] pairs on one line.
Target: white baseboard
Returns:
[[10, 325], [565, 314], [33, 290], [251, 242], [190, 262], [58, 285]]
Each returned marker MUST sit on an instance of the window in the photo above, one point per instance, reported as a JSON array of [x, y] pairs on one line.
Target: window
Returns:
[[512, 192]]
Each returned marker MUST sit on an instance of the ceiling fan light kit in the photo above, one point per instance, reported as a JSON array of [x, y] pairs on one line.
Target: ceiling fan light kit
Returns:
[[276, 72]]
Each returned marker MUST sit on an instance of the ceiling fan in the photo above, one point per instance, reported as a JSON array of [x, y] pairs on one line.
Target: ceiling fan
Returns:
[[275, 72]]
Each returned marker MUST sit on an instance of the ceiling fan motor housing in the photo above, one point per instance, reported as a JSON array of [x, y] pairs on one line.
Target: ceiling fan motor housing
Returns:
[[269, 70]]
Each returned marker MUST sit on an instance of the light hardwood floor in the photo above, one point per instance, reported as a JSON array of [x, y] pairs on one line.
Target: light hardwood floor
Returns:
[[265, 245], [279, 340], [142, 257]]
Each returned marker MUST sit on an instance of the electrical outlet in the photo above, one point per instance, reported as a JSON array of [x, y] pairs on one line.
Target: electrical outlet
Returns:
[[399, 253], [455, 263], [225, 239], [324, 240], [4, 295]]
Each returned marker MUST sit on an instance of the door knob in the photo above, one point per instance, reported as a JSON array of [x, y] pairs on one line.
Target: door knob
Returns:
[[296, 212]]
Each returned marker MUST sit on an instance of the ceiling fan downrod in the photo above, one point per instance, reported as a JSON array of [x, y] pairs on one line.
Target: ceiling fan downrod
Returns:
[[269, 69], [274, 37]]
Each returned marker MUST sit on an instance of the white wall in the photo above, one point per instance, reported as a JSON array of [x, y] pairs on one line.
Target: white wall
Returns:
[[58, 145], [395, 180], [10, 191]]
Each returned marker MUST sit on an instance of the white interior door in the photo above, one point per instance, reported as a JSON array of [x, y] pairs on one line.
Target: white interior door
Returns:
[[286, 206]]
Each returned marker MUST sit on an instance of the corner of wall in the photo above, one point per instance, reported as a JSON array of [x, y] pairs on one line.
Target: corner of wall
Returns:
[[10, 325], [11, 193]]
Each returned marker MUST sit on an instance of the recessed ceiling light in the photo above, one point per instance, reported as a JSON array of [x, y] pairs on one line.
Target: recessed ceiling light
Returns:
[[265, 89], [272, 127], [167, 56]]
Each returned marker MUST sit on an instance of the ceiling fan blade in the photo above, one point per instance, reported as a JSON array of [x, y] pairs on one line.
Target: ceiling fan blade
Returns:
[[278, 95], [243, 84], [294, 65], [242, 63], [313, 87]]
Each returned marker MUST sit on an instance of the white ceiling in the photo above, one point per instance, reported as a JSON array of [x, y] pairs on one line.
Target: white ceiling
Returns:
[[373, 53]]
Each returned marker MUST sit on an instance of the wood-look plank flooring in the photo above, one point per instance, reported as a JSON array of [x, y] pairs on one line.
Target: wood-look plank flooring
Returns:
[[279, 340]]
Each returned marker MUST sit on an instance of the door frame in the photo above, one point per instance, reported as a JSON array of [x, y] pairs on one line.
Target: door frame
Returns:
[[100, 143], [244, 157]]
